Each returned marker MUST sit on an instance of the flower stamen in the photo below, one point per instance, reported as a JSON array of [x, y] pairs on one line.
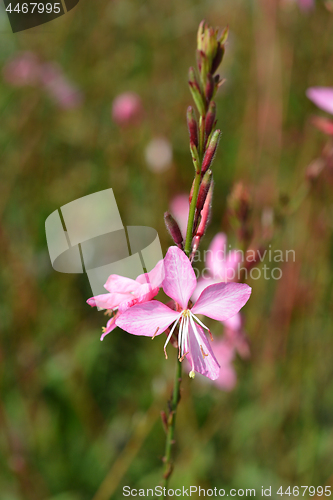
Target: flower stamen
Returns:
[[204, 355], [155, 333]]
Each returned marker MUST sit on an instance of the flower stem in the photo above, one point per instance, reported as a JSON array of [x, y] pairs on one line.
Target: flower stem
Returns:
[[168, 467], [189, 235]]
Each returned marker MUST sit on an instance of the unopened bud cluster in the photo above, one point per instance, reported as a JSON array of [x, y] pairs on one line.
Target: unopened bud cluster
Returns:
[[204, 137]]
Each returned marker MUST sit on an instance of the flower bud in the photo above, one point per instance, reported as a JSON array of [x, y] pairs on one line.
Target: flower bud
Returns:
[[192, 126], [223, 36], [218, 58], [203, 191], [173, 229], [210, 151], [210, 118], [195, 91], [210, 88]]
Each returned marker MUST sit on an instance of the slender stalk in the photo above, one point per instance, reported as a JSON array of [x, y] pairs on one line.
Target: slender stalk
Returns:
[[168, 467], [191, 214]]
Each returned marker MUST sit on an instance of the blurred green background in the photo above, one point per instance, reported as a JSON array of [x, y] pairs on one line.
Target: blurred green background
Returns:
[[80, 418]]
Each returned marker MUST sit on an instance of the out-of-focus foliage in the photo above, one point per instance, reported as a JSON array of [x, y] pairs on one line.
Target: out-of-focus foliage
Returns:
[[79, 417]]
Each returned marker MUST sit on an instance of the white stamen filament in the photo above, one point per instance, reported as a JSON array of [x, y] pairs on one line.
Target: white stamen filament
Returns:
[[170, 335], [186, 318]]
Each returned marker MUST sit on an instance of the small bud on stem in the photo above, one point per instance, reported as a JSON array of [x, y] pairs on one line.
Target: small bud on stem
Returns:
[[192, 126], [173, 229], [210, 151]]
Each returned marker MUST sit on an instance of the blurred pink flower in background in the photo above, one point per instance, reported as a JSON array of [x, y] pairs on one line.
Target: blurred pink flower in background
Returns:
[[220, 265], [127, 109], [306, 5], [321, 97], [158, 154], [225, 354], [23, 69], [26, 69], [179, 208], [59, 88]]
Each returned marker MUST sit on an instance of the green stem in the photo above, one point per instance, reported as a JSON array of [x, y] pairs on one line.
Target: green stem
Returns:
[[191, 214], [171, 426]]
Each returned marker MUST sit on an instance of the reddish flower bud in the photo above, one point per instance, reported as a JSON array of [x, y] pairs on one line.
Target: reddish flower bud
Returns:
[[192, 126], [210, 88], [173, 229], [210, 118], [205, 217], [203, 191], [218, 58], [210, 151]]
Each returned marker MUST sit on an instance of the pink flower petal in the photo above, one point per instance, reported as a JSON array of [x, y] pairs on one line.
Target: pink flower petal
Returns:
[[143, 294], [154, 277], [180, 281], [202, 358], [120, 284], [322, 97], [110, 325], [222, 301], [201, 285], [108, 300], [148, 319]]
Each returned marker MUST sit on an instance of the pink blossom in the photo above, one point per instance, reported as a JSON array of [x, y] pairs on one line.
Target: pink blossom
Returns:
[[125, 293], [225, 354], [23, 69], [218, 301], [236, 336], [220, 266], [322, 97], [306, 5], [179, 208], [127, 108], [59, 88]]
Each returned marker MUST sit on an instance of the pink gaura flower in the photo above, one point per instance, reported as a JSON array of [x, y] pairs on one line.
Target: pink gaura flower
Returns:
[[218, 301], [220, 265], [321, 97], [127, 108], [125, 293]]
